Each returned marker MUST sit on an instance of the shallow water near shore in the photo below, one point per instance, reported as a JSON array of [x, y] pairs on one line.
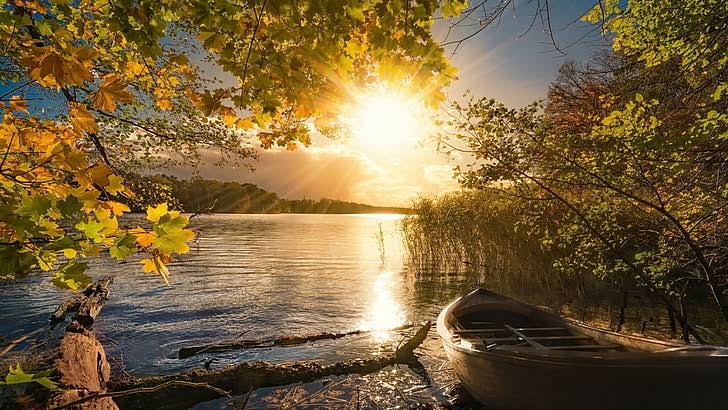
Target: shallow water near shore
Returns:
[[263, 277]]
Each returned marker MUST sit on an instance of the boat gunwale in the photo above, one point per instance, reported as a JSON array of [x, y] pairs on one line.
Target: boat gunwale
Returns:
[[603, 359]]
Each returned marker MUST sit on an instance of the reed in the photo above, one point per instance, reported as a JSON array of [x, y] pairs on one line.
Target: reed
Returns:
[[477, 234]]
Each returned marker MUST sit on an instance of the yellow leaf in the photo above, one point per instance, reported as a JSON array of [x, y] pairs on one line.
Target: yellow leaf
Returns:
[[81, 119], [111, 91], [70, 253], [115, 185], [164, 104], [117, 208], [148, 265], [51, 68], [143, 238], [154, 213], [156, 265], [50, 228], [18, 104], [134, 68], [229, 120], [244, 123], [100, 173]]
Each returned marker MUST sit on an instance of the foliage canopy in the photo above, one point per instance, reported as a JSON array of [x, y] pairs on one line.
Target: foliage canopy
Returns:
[[90, 88]]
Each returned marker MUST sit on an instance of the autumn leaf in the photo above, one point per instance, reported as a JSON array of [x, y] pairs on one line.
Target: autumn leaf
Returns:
[[71, 276], [81, 119], [165, 104], [100, 174], [155, 265], [115, 184], [18, 104], [134, 68], [111, 91], [244, 123], [143, 238], [155, 212]]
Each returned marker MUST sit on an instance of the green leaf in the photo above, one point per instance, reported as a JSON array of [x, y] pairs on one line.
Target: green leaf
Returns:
[[16, 375], [356, 13], [123, 247], [34, 206], [92, 229], [173, 241], [69, 206], [14, 261], [71, 276]]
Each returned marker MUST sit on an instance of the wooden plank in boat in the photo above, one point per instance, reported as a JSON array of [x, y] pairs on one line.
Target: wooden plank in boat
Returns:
[[584, 347], [530, 329], [475, 331], [526, 338], [569, 337]]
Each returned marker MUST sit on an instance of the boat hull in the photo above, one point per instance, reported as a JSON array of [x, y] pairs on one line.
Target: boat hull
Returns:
[[504, 382], [507, 377]]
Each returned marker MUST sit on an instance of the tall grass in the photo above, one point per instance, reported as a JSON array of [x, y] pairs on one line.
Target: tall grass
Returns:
[[475, 232]]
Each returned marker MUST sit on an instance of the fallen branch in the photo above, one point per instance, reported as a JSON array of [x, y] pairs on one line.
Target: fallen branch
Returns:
[[240, 378], [11, 345], [189, 351], [141, 390]]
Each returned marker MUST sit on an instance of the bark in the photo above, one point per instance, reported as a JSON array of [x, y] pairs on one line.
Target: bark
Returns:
[[671, 316], [80, 359], [623, 308], [241, 378], [186, 352], [87, 305]]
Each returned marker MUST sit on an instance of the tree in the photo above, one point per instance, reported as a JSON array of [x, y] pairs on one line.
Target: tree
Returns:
[[92, 87], [628, 153]]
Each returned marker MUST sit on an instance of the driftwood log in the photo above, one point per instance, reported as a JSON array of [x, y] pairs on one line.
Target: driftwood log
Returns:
[[225, 346], [80, 359], [244, 377]]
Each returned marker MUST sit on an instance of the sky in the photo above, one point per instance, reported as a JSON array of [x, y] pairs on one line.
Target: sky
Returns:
[[505, 61]]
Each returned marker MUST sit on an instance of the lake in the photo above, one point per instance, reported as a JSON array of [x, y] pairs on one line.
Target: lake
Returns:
[[257, 277]]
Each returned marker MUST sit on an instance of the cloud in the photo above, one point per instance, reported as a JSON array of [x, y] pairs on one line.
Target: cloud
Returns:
[[310, 172], [439, 174], [336, 169]]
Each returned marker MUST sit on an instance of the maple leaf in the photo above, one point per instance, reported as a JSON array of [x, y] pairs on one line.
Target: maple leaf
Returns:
[[156, 265], [81, 119], [164, 104], [155, 212], [18, 104], [143, 238], [16, 375], [100, 173], [134, 68], [115, 184], [111, 91]]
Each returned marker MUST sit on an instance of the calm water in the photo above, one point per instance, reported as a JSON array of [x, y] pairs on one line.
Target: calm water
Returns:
[[260, 276]]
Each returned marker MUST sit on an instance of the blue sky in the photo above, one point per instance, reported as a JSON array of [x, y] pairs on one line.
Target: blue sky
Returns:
[[504, 63]]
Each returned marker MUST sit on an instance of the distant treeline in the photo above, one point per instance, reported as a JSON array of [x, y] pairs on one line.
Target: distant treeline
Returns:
[[206, 195]]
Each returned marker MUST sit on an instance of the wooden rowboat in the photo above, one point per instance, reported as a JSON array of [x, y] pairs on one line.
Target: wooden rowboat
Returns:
[[510, 355]]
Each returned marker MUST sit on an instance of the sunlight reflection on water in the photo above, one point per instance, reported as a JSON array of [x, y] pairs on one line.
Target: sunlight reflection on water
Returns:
[[265, 276], [384, 310]]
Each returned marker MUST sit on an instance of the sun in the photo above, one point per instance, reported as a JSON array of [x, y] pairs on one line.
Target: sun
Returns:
[[386, 119]]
